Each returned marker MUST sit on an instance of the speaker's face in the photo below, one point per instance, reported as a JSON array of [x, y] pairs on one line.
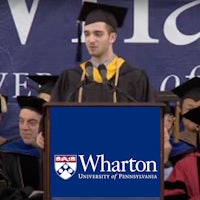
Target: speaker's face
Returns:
[[99, 40]]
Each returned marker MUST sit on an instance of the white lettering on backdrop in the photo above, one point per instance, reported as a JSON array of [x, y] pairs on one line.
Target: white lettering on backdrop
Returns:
[[23, 19], [171, 30], [192, 74]]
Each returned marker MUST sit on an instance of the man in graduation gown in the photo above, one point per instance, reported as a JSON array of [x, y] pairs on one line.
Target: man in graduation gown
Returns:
[[20, 158], [189, 94], [7, 192], [16, 150], [105, 77]]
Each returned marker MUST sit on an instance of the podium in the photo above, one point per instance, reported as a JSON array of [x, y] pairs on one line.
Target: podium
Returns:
[[103, 151]]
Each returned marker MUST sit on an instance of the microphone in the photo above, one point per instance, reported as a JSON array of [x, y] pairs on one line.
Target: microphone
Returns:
[[85, 81], [102, 71]]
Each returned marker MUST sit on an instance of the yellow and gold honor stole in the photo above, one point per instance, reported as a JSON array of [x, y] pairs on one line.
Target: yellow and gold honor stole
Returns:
[[112, 68]]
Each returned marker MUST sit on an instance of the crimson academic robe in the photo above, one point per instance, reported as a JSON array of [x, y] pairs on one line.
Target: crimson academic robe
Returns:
[[184, 180], [133, 86]]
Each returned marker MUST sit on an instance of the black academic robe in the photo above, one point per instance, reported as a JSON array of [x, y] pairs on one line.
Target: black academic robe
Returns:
[[20, 164], [133, 86], [20, 170]]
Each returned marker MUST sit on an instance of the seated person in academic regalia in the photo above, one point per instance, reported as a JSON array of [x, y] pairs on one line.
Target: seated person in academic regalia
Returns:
[[184, 181], [104, 77], [20, 158], [189, 93]]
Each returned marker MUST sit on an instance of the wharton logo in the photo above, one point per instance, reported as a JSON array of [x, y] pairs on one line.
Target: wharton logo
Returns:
[[99, 167], [65, 165]]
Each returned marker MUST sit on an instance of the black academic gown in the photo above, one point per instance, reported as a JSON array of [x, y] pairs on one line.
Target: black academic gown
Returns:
[[20, 164], [133, 86]]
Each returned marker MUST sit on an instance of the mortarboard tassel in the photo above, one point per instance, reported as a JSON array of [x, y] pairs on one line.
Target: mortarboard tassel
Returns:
[[177, 122], [79, 45]]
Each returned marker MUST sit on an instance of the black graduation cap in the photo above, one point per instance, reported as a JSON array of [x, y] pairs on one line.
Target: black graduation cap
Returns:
[[31, 102], [46, 82], [193, 115], [3, 103], [189, 89], [95, 12]]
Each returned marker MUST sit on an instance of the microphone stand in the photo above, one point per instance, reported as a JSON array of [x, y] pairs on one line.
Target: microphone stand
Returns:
[[81, 84], [102, 70], [84, 80], [117, 89]]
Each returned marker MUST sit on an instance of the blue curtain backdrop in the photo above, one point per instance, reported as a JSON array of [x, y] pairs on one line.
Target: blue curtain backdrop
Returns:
[[40, 36]]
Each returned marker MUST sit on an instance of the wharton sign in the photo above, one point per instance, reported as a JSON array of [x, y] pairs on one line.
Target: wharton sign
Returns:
[[108, 151], [65, 167]]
